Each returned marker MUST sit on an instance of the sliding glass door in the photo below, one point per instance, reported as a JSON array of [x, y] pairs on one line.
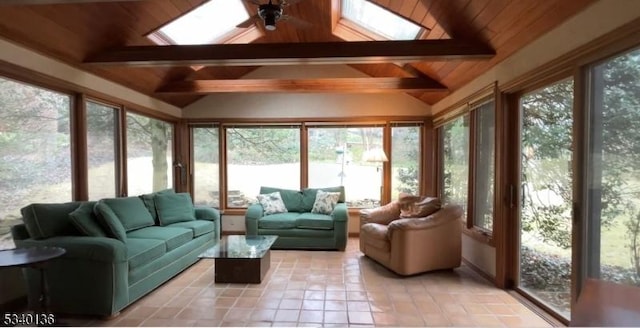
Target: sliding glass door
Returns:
[[612, 238], [544, 261]]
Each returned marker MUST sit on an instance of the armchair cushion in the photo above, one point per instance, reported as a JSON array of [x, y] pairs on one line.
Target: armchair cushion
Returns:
[[85, 220], [325, 202], [272, 203], [174, 208], [416, 206]]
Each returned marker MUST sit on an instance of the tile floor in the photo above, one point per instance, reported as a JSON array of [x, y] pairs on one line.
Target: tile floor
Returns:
[[330, 289]]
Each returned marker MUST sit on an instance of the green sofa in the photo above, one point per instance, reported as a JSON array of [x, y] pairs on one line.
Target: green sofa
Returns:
[[299, 228], [117, 250]]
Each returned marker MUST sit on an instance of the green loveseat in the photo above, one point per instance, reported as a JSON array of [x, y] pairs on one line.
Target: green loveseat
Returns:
[[299, 228], [122, 249]]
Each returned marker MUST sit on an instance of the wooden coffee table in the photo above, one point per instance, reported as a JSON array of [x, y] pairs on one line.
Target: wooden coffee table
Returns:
[[241, 259]]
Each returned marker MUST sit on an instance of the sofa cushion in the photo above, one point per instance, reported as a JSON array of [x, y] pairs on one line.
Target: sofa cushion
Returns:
[[325, 202], [150, 203], [314, 221], [130, 211], [109, 221], [278, 221], [85, 220], [272, 203], [292, 199], [49, 220], [174, 208], [199, 227], [172, 237], [309, 196], [142, 251]]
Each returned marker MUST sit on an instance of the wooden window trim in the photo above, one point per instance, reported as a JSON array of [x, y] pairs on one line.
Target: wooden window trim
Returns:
[[469, 106]]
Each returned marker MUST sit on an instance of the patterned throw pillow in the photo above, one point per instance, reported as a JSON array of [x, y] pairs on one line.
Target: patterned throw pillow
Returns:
[[272, 203], [325, 202]]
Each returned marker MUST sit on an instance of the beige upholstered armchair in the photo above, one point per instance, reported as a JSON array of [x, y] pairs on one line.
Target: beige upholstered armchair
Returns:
[[412, 245]]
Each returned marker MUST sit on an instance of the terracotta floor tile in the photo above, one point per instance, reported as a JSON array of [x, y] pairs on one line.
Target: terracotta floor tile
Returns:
[[312, 305], [325, 288], [287, 315], [356, 317], [335, 317], [309, 316]]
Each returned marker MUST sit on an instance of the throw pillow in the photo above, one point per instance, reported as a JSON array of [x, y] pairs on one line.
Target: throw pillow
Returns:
[[272, 203], [151, 204], [110, 222], [85, 220], [174, 208], [416, 206], [325, 202]]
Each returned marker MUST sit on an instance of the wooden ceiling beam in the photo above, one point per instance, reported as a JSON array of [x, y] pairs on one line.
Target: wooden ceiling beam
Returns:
[[51, 2], [259, 54], [333, 85]]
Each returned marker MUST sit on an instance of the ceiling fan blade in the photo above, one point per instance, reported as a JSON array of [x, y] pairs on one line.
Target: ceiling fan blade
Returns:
[[299, 23], [255, 2], [250, 21], [284, 3]]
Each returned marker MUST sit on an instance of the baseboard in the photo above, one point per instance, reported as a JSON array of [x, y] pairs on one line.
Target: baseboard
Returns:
[[354, 234], [16, 304], [479, 271]]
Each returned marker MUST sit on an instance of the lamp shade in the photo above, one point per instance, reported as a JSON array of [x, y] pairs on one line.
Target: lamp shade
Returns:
[[375, 155]]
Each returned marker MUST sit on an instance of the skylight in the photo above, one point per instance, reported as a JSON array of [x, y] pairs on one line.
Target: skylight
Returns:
[[206, 24], [379, 20]]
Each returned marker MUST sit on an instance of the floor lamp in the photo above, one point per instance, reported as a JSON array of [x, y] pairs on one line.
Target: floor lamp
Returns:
[[377, 155]]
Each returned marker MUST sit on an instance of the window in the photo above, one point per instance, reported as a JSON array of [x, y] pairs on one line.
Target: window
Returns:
[[484, 166], [336, 158], [102, 137], [406, 153], [380, 21], [467, 164], [35, 152], [149, 154], [213, 22], [613, 213], [206, 165], [261, 156], [455, 162]]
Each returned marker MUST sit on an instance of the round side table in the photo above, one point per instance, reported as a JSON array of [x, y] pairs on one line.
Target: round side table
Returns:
[[36, 258]]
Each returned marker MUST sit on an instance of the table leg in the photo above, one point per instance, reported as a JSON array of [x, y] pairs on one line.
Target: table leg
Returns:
[[44, 299]]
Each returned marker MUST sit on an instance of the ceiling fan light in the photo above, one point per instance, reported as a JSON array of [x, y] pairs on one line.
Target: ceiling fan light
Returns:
[[270, 22]]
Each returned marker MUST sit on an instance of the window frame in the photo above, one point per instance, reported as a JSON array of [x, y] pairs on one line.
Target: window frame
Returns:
[[469, 106]]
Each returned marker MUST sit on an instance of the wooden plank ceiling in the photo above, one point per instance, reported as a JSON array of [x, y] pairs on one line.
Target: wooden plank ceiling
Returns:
[[80, 32]]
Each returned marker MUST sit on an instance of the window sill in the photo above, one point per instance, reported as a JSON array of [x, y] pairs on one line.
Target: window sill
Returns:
[[478, 235]]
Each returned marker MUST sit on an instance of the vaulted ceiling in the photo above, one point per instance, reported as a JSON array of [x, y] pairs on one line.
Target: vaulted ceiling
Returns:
[[462, 40]]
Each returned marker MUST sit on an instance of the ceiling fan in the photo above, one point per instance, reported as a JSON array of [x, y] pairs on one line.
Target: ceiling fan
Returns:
[[270, 13]]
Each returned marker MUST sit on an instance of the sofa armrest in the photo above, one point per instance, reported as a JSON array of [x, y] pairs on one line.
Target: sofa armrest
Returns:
[[381, 215], [101, 249], [207, 213], [340, 213], [254, 213]]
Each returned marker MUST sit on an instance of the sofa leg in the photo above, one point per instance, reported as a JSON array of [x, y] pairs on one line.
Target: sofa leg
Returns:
[[111, 317]]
